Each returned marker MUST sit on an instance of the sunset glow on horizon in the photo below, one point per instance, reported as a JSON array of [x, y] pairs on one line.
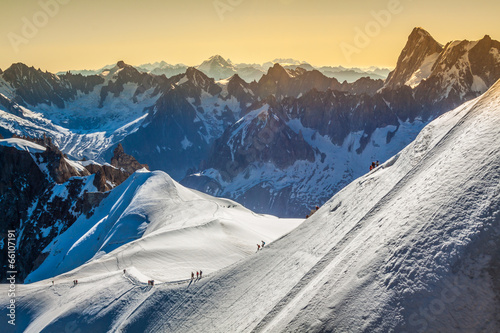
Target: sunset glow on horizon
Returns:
[[58, 35]]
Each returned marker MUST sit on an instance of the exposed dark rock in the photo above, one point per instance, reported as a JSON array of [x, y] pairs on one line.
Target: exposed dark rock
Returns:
[[120, 160]]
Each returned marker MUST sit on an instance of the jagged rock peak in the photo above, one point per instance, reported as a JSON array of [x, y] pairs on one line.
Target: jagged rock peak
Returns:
[[118, 151], [236, 78], [277, 71], [121, 64], [418, 33], [418, 48], [190, 71], [121, 160]]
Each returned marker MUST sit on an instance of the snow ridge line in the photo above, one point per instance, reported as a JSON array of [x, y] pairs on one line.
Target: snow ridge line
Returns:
[[314, 273]]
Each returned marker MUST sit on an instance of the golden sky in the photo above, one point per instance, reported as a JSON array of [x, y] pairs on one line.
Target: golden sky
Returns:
[[57, 35]]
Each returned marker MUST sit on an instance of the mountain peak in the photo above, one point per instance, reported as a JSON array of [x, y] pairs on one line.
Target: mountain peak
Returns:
[[419, 32], [19, 67], [419, 47], [277, 70], [217, 59], [191, 71], [217, 67]]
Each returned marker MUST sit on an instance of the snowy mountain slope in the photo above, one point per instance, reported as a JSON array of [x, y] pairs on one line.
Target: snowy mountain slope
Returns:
[[411, 246], [160, 228]]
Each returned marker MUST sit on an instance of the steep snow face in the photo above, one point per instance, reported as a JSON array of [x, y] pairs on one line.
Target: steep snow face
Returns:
[[412, 246], [161, 229], [423, 72]]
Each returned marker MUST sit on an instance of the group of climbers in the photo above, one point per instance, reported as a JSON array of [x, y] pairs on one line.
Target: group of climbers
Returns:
[[312, 212], [259, 246], [374, 165], [199, 275]]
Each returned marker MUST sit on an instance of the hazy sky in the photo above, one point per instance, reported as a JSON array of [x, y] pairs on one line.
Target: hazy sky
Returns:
[[57, 35]]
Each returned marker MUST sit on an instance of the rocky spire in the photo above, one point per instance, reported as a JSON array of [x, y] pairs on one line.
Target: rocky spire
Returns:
[[419, 46], [121, 160]]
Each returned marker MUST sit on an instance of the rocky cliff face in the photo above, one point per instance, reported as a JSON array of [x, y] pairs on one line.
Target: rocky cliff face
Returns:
[[128, 74], [42, 194]]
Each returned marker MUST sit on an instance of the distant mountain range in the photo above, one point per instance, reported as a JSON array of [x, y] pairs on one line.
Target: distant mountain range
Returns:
[[219, 68], [278, 145]]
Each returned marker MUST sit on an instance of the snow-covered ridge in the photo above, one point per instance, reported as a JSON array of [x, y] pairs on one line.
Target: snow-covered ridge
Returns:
[[24, 145], [162, 229]]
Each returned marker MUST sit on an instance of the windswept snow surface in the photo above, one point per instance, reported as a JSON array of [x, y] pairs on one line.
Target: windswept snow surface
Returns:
[[412, 246], [21, 144]]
